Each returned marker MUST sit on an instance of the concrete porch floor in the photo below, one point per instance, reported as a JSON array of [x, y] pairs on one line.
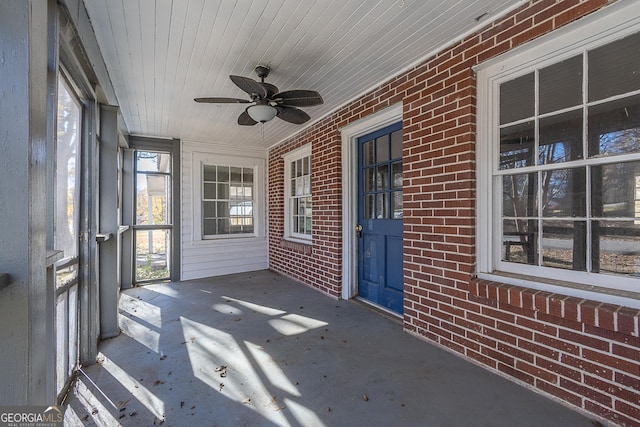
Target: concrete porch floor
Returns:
[[259, 349]]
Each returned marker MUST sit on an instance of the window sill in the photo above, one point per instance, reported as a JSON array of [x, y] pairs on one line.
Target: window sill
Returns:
[[591, 306], [300, 246]]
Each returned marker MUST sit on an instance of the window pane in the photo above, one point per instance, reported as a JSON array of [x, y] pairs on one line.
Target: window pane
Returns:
[[564, 244], [223, 225], [615, 190], [519, 195], [299, 169], [561, 85], [148, 161], [517, 99], [614, 68], [223, 191], [382, 177], [209, 210], [368, 209], [396, 170], [236, 175], [151, 254], [396, 145], [209, 191], [247, 175], [564, 192], [209, 173], [209, 227], [223, 173], [152, 204], [382, 205], [67, 215], [306, 166], [367, 153], [614, 127], [560, 138], [616, 247], [382, 149], [519, 241], [517, 146], [368, 180], [396, 204]]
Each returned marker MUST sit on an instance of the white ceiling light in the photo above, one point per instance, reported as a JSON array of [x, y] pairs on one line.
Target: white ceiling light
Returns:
[[262, 113]]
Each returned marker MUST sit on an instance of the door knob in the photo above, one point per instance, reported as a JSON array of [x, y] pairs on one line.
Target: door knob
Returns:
[[359, 230]]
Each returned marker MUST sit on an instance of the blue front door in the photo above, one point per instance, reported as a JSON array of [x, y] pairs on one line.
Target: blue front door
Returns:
[[380, 274]]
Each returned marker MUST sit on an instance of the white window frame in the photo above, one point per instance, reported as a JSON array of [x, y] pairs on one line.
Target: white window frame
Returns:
[[613, 22], [292, 156], [258, 166]]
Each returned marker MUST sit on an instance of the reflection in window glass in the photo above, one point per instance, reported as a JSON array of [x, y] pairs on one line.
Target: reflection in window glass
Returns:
[[614, 190], [614, 127], [300, 196], [517, 144], [519, 241], [519, 195], [563, 192], [564, 244], [560, 138], [618, 244]]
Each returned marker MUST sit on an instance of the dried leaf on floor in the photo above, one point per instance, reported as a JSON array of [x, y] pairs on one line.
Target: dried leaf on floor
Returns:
[[158, 382], [85, 418], [221, 386], [365, 397], [122, 416], [133, 414], [164, 356], [94, 411], [121, 403], [247, 401], [181, 404]]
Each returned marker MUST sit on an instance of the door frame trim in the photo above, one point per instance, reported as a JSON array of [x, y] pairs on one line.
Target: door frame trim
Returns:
[[349, 138]]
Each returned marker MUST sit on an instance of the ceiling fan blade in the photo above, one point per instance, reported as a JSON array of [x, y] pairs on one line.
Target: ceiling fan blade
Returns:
[[245, 119], [292, 115], [215, 100], [252, 87], [271, 89], [298, 98]]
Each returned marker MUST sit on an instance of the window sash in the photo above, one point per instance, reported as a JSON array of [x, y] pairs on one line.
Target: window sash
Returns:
[[298, 195], [575, 40]]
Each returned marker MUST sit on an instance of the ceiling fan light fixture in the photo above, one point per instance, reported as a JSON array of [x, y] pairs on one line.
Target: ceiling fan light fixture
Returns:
[[262, 113]]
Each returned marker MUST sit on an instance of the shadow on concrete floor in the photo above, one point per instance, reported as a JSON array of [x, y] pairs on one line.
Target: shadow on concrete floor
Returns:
[[259, 349]]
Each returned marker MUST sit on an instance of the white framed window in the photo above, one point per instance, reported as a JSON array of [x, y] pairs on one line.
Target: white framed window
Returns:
[[228, 197], [558, 156], [227, 200], [298, 204]]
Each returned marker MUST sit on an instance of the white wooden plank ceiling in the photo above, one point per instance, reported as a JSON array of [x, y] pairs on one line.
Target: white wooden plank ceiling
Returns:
[[160, 54]]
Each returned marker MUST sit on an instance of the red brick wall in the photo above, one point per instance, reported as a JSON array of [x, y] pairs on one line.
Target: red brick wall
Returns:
[[580, 351]]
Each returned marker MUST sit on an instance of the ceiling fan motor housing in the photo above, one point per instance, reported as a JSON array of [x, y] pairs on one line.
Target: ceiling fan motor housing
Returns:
[[262, 71]]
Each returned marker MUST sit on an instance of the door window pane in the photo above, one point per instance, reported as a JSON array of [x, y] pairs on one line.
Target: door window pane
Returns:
[[152, 199], [152, 260]]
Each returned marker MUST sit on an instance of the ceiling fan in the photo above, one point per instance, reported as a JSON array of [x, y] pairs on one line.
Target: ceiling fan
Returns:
[[267, 102]]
